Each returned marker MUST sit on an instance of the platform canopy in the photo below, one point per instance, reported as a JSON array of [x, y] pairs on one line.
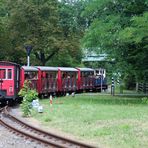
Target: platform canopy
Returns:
[[94, 57]]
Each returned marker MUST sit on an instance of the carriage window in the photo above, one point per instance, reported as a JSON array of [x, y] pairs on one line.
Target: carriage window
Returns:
[[51, 75], [100, 71], [31, 75], [9, 75], [2, 73]]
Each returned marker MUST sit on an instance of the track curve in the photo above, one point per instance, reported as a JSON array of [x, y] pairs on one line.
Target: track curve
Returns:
[[46, 138]]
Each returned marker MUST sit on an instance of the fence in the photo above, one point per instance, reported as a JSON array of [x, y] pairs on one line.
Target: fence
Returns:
[[143, 87]]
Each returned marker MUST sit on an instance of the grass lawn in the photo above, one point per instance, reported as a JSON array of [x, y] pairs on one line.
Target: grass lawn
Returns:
[[106, 121]]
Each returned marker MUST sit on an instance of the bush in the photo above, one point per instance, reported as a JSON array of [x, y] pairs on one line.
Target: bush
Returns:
[[130, 82], [28, 95], [145, 100]]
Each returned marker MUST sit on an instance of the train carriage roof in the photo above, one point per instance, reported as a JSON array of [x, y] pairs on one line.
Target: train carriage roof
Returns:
[[70, 69], [7, 63], [29, 68], [46, 68], [86, 69]]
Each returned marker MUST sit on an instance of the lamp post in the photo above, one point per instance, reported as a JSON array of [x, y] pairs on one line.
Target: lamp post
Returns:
[[28, 50]]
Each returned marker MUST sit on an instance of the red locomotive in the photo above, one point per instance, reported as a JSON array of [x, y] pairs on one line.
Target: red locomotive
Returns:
[[46, 80], [9, 80]]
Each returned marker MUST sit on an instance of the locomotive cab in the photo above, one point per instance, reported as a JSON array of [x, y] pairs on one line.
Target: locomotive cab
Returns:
[[100, 79], [9, 81]]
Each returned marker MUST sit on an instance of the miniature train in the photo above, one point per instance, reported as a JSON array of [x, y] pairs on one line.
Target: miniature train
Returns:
[[48, 80]]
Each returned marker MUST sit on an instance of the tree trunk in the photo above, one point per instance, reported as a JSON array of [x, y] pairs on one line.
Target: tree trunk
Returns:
[[41, 56]]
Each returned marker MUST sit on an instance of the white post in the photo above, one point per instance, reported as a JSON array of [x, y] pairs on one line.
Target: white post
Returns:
[[101, 83], [28, 60], [28, 50]]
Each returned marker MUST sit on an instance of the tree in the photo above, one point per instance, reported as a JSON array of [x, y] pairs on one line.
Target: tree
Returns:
[[35, 23], [3, 32], [72, 25], [42, 25], [119, 28]]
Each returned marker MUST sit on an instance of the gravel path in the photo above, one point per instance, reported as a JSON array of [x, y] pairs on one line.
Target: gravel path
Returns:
[[11, 140]]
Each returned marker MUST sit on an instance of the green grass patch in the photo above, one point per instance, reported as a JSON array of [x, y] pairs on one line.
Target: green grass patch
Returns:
[[107, 121]]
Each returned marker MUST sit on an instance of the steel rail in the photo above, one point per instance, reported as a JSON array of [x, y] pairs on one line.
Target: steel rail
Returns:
[[1, 109], [66, 141], [50, 143]]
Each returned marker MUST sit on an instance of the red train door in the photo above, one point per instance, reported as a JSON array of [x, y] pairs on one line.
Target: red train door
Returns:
[[1, 77], [7, 81]]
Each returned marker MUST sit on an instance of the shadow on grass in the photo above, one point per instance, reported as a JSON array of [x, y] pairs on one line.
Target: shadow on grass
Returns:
[[113, 100]]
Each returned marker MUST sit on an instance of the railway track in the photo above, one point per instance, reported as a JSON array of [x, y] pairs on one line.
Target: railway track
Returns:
[[35, 134]]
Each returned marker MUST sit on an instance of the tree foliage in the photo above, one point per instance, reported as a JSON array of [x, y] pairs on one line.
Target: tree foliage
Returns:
[[72, 26], [4, 37], [35, 23], [120, 29], [40, 23]]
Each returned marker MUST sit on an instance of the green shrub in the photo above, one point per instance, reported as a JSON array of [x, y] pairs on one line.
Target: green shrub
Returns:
[[145, 100], [28, 95]]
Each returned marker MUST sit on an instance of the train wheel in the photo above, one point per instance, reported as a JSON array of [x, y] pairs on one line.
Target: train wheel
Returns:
[[11, 102]]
